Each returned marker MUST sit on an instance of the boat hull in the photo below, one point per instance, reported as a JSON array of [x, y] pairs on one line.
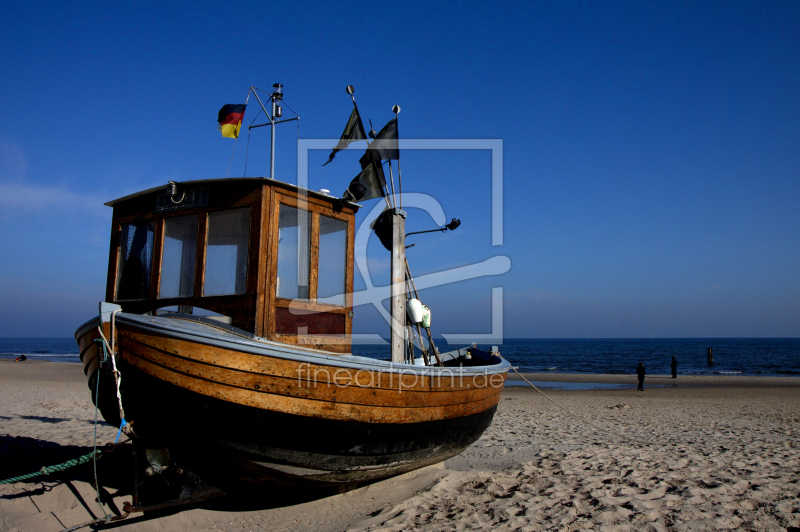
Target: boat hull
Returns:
[[297, 414], [294, 446]]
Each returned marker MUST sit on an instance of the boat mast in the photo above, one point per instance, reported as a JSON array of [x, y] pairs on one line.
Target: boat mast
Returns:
[[398, 273], [277, 112]]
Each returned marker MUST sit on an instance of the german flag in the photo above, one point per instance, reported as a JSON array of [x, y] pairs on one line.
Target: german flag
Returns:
[[230, 119]]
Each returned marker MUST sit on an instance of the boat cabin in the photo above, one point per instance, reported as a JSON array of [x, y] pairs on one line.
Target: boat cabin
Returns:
[[257, 254]]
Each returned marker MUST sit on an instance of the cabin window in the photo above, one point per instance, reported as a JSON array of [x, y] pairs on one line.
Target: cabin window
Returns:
[[135, 260], [177, 257], [332, 260], [226, 252], [294, 252]]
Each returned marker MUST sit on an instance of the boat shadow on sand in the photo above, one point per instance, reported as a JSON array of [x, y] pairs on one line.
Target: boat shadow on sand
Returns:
[[115, 471]]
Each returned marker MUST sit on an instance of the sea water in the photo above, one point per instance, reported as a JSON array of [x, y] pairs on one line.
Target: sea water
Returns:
[[52, 349], [732, 356]]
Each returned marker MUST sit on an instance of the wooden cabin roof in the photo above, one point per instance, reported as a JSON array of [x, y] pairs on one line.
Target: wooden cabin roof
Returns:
[[254, 180]]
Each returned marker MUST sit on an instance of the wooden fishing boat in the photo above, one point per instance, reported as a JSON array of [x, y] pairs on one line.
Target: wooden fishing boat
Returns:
[[214, 337]]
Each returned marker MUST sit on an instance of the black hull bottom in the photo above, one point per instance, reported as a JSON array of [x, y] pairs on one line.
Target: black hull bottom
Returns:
[[294, 448]]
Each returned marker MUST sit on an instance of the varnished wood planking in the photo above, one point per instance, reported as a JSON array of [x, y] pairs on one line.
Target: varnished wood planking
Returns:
[[308, 407], [89, 350], [310, 202], [267, 365], [313, 270], [301, 387], [261, 262], [86, 340], [200, 256], [270, 261], [253, 248], [113, 258], [330, 323], [272, 271], [313, 306], [89, 354], [331, 344]]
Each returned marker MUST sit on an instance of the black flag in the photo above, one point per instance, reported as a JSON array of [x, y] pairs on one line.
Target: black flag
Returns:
[[385, 144], [371, 156], [353, 131], [382, 225], [370, 182]]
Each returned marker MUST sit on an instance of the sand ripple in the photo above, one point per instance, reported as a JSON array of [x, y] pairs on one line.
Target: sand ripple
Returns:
[[717, 463]]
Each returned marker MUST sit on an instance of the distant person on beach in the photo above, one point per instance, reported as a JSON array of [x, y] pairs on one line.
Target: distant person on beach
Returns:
[[710, 357], [674, 368], [640, 374], [21, 358]]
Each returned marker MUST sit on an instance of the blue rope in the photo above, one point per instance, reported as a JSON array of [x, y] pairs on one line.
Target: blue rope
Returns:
[[119, 432]]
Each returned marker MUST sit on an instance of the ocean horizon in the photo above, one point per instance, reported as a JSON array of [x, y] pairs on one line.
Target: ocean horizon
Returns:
[[732, 356]]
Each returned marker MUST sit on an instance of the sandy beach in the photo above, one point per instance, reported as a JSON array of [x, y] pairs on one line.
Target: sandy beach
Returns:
[[693, 453]]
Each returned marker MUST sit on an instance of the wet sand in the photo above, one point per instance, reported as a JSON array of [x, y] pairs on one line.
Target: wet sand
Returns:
[[710, 381], [693, 453]]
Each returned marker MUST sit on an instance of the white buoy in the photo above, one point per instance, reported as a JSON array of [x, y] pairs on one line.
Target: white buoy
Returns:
[[414, 310]]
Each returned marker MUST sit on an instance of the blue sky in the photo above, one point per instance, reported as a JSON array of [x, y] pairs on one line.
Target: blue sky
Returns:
[[651, 150]]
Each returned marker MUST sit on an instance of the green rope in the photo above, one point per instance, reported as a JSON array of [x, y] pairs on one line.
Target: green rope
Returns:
[[76, 461], [54, 468]]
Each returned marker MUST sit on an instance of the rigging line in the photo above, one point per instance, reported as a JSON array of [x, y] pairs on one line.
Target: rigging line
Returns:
[[255, 117], [431, 345], [292, 110], [400, 184], [237, 138], [579, 418], [246, 153], [232, 154], [385, 188], [411, 327], [391, 180]]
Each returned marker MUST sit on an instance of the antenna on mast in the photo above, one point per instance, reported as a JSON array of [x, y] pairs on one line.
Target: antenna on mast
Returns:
[[277, 112], [277, 95], [396, 111]]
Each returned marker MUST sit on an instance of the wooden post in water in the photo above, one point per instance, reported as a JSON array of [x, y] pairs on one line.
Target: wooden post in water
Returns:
[[398, 302]]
